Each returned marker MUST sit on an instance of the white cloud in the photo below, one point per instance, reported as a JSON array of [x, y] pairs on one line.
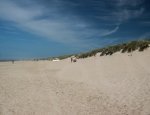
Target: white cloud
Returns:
[[122, 11], [129, 2], [58, 28], [13, 12], [126, 14], [127, 9], [111, 31]]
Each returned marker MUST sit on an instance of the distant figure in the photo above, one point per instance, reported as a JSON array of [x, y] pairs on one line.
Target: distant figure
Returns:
[[71, 59], [74, 60], [12, 61]]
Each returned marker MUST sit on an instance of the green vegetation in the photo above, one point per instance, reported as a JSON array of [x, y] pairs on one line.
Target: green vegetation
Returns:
[[89, 54], [125, 47], [140, 45]]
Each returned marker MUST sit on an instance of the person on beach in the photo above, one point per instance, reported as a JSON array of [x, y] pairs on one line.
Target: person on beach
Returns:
[[74, 60], [71, 59]]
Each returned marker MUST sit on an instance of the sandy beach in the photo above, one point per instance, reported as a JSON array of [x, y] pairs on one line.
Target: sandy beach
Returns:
[[107, 85]]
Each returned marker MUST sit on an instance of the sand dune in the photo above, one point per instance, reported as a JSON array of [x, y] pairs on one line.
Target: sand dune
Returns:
[[108, 85]]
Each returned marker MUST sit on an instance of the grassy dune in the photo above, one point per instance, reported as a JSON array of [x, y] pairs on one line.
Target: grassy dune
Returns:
[[125, 47], [140, 45]]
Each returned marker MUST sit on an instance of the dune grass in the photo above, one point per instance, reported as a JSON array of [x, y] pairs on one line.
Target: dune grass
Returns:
[[140, 45], [131, 46]]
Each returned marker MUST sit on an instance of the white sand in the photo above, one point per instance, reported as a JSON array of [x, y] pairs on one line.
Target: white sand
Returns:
[[108, 85]]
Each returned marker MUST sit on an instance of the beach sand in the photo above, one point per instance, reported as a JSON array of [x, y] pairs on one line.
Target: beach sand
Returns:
[[107, 85]]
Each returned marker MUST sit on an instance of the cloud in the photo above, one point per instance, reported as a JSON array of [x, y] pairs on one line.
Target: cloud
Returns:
[[127, 14], [129, 2], [49, 22], [121, 11], [13, 12], [128, 9], [111, 31]]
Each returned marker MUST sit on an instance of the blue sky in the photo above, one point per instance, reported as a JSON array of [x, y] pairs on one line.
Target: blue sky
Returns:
[[43, 28]]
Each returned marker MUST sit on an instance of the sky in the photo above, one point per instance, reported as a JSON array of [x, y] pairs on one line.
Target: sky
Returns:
[[44, 28]]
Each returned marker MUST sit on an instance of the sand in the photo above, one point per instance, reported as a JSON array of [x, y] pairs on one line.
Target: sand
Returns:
[[108, 85]]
